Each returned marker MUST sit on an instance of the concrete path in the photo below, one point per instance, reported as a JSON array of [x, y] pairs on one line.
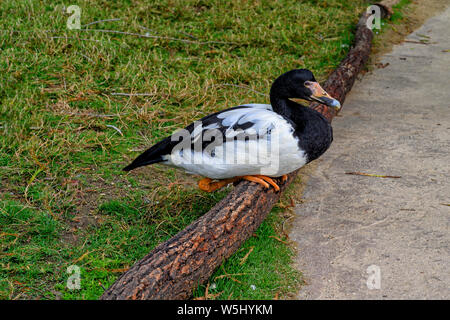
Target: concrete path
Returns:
[[394, 232]]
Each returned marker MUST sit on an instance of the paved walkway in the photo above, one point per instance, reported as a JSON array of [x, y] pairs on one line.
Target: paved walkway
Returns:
[[396, 122]]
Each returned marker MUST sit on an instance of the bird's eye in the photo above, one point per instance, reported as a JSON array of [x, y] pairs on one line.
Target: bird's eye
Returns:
[[307, 83]]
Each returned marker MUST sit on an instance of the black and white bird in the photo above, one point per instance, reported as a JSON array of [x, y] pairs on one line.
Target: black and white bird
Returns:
[[255, 142]]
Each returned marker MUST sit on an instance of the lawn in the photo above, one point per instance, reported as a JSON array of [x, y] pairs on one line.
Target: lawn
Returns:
[[76, 106]]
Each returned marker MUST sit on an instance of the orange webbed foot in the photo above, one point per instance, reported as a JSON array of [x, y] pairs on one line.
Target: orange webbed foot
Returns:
[[263, 180]]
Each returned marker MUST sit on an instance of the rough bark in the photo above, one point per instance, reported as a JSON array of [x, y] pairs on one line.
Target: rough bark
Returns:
[[340, 82], [174, 268]]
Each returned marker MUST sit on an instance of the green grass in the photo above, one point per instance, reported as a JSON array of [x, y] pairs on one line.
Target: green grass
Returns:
[[63, 197], [397, 16]]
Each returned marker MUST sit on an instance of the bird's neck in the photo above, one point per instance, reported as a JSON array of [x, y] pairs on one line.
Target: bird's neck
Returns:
[[281, 105], [279, 100], [287, 108], [310, 127]]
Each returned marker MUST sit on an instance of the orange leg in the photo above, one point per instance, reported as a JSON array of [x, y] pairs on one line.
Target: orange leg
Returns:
[[284, 177], [257, 179], [270, 181], [208, 185]]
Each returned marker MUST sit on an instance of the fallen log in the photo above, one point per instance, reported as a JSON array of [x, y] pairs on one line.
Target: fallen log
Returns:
[[174, 268]]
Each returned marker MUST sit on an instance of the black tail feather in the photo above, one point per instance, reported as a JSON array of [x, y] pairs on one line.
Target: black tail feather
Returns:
[[140, 163], [153, 155]]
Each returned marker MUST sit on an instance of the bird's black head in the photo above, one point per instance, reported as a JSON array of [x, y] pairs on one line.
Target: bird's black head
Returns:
[[301, 84]]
